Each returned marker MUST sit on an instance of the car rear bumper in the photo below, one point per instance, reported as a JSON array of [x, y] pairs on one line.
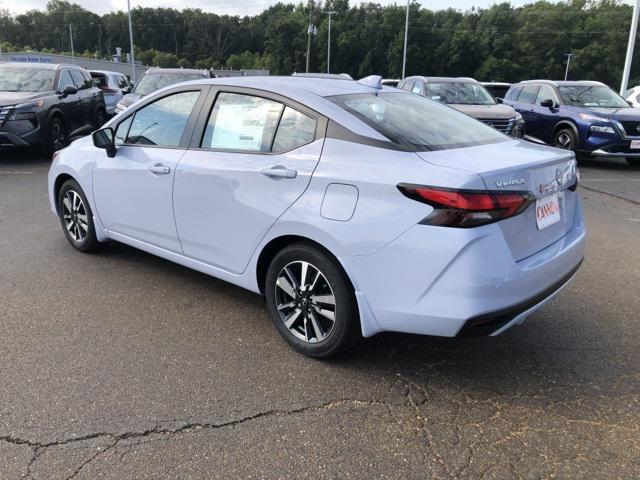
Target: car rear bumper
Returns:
[[434, 280]]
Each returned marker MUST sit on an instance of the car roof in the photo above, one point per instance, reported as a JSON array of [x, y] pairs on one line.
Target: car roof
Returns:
[[563, 83], [202, 72], [444, 79], [41, 66], [106, 72], [496, 84]]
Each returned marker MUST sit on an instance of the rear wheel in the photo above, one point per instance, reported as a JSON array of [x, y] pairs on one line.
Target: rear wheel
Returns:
[[311, 302], [76, 217]]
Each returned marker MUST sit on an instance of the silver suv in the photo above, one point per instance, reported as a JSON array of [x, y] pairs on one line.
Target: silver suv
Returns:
[[470, 97]]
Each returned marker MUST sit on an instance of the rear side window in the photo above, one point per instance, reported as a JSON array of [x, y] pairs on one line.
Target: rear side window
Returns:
[[162, 122], [528, 94], [416, 122], [294, 130], [417, 88], [78, 79], [242, 122]]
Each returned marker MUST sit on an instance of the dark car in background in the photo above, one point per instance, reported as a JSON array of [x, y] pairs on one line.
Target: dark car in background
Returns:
[[114, 86], [496, 89], [157, 78], [586, 117], [468, 96], [43, 105]]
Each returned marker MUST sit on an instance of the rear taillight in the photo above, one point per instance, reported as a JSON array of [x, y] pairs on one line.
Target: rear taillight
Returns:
[[467, 208]]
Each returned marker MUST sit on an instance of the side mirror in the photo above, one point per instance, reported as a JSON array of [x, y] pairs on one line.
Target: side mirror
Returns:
[[499, 99], [104, 138], [69, 90], [547, 103]]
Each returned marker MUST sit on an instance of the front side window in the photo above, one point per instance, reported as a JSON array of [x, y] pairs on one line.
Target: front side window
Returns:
[[546, 93], [416, 122], [20, 79], [408, 85], [294, 130], [155, 81], [162, 122], [242, 122], [120, 135], [459, 93], [65, 80], [78, 79], [513, 93], [598, 96]]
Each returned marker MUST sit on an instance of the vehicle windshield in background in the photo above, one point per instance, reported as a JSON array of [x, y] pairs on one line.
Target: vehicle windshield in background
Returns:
[[459, 93], [155, 81], [416, 122], [597, 96], [14, 79]]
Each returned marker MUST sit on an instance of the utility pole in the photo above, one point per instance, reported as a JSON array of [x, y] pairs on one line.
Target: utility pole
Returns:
[[310, 31], [630, 46], [133, 59], [331, 12], [406, 35], [566, 72], [73, 55]]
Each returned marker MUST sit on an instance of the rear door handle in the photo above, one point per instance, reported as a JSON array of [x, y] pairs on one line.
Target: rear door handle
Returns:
[[159, 169], [280, 172]]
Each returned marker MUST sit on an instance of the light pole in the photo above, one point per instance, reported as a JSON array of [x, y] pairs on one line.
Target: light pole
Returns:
[[331, 12], [630, 46], [406, 34], [566, 72], [133, 59], [73, 55]]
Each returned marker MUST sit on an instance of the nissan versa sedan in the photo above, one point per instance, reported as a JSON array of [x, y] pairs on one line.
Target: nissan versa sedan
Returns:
[[334, 199]]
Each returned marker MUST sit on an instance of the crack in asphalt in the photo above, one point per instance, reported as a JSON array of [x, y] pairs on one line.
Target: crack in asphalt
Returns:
[[39, 447]]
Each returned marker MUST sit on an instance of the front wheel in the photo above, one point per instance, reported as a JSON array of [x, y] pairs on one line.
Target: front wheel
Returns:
[[57, 135], [311, 302], [566, 139], [76, 217]]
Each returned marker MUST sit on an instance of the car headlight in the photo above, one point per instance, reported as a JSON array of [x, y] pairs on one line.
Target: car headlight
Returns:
[[37, 103], [601, 129]]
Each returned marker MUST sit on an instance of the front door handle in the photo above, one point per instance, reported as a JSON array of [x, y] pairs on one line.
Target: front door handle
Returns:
[[159, 169], [280, 172]]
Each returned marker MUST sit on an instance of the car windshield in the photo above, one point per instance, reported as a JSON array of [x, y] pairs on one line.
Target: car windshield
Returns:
[[459, 93], [14, 79], [155, 81], [598, 96], [416, 122]]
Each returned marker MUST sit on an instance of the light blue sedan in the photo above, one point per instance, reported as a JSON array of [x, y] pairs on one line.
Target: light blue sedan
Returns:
[[352, 207]]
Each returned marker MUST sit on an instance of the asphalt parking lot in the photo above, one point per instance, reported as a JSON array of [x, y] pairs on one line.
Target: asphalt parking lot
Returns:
[[122, 365]]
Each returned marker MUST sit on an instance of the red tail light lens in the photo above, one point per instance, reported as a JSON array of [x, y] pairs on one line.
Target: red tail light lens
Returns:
[[467, 208]]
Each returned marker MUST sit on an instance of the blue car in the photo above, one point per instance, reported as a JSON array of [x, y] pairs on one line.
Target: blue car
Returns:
[[586, 117]]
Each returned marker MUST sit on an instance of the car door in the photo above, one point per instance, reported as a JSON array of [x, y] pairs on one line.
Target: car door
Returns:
[[252, 160], [133, 190], [87, 98], [546, 118], [71, 103]]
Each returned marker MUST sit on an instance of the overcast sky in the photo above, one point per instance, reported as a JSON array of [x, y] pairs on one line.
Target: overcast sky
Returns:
[[228, 7]]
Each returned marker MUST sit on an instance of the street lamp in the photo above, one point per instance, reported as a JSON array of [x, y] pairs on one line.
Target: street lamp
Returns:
[[133, 60], [406, 35], [566, 72], [73, 55], [331, 12]]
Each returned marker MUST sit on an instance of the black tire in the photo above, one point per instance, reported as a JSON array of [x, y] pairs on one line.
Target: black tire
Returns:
[[345, 329], [101, 117], [633, 162], [566, 139], [57, 136], [76, 220]]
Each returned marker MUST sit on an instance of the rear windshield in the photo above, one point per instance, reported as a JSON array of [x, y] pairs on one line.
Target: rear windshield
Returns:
[[155, 81], [417, 123], [592, 96], [100, 80], [26, 79]]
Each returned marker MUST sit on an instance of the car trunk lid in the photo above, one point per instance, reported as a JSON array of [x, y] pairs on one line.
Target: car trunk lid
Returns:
[[521, 166]]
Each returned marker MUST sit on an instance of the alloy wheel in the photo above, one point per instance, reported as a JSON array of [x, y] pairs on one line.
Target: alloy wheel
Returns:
[[305, 301], [57, 136], [565, 141], [75, 217]]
